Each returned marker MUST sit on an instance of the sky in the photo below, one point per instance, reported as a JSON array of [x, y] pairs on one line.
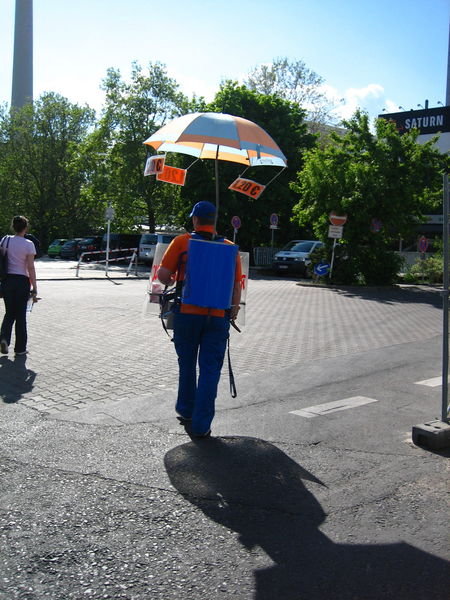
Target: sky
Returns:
[[375, 55]]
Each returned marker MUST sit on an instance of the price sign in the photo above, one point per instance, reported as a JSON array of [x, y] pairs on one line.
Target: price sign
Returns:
[[247, 187], [154, 165], [172, 175]]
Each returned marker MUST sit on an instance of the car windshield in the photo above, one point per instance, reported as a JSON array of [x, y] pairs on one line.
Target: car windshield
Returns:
[[167, 239], [70, 244], [87, 241], [149, 238], [299, 246]]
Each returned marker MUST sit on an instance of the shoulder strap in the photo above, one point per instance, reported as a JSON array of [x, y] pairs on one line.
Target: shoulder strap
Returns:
[[6, 237]]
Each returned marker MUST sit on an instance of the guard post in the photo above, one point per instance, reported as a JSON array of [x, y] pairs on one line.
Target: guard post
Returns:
[[436, 434]]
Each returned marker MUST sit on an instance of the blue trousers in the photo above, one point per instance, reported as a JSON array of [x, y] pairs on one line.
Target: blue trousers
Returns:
[[16, 292], [199, 339]]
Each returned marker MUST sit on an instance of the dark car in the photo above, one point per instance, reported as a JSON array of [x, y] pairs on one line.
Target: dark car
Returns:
[[90, 244], [295, 257], [70, 249], [121, 245]]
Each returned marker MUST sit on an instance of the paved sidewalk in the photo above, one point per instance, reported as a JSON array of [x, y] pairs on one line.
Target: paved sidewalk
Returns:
[[104, 495]]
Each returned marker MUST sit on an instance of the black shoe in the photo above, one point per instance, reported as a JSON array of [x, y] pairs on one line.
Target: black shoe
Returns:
[[4, 347], [183, 420], [207, 434]]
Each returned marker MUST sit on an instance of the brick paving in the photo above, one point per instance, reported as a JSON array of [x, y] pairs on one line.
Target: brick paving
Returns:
[[88, 342]]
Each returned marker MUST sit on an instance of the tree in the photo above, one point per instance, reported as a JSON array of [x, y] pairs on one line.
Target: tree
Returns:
[[284, 121], [40, 169], [295, 82], [134, 111], [375, 178]]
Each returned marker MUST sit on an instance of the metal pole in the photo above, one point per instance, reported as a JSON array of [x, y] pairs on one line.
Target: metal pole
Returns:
[[445, 303], [332, 259], [107, 246]]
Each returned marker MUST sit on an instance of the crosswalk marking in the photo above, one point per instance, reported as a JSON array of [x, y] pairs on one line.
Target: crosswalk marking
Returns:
[[433, 382], [330, 407]]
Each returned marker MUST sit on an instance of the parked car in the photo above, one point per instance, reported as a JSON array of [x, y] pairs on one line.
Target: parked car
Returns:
[[71, 249], [54, 249], [148, 243], [90, 244], [121, 245], [295, 257]]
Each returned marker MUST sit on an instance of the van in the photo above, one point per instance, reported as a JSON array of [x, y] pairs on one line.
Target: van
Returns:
[[148, 243], [127, 241], [295, 257]]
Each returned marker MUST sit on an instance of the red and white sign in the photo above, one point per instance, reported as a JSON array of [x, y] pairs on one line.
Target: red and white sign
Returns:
[[423, 244], [336, 219], [154, 165], [172, 175], [247, 187]]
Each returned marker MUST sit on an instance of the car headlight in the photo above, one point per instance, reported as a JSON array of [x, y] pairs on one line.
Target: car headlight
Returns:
[[299, 260]]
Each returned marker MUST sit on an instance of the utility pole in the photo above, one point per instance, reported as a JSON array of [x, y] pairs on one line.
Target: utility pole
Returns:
[[447, 95], [22, 81]]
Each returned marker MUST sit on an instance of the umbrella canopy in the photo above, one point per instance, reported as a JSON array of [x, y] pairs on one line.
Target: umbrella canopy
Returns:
[[218, 136]]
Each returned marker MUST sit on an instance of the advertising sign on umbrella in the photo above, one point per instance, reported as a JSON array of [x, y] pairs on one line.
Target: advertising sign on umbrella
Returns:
[[247, 187], [172, 175], [154, 164]]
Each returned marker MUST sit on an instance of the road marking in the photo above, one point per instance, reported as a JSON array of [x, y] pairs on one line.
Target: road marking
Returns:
[[433, 382], [331, 407]]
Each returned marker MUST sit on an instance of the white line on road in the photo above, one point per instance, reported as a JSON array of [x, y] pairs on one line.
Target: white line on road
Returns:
[[331, 407], [433, 382]]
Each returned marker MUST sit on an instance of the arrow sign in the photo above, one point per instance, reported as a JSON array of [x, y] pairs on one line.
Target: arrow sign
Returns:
[[321, 269]]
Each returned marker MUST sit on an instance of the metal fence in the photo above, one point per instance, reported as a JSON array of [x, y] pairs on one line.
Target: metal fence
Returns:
[[263, 257]]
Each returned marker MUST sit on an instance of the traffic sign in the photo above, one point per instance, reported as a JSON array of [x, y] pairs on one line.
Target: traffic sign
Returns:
[[335, 231], [423, 244], [236, 222], [109, 213], [321, 269], [274, 219], [336, 219], [376, 225]]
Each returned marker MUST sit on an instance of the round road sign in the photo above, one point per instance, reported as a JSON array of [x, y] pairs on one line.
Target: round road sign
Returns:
[[236, 222], [336, 219], [321, 269], [423, 244], [274, 219]]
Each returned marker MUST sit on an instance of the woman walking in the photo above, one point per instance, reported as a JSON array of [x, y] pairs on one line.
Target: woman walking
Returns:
[[19, 284]]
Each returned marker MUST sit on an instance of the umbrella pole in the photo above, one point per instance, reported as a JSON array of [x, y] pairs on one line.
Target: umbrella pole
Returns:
[[216, 168]]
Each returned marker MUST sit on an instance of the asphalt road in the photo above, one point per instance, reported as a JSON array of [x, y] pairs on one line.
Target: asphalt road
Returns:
[[302, 493]]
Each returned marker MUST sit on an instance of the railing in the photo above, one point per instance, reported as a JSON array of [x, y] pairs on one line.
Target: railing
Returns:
[[108, 259], [263, 257]]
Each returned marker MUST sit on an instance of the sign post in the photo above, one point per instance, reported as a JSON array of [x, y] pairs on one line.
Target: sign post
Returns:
[[109, 216], [335, 231], [273, 225], [236, 222]]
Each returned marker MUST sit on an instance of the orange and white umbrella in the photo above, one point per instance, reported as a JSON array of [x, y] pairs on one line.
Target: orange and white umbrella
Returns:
[[218, 136]]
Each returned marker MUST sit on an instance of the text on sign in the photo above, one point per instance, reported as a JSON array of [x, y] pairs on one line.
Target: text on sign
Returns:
[[247, 187]]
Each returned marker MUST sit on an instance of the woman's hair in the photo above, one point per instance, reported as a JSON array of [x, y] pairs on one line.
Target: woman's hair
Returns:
[[19, 223]]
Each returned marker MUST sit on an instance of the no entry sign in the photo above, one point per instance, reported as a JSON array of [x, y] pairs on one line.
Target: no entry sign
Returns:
[[337, 219]]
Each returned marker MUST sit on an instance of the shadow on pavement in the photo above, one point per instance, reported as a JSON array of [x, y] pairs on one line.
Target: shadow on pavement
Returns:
[[15, 379], [253, 488]]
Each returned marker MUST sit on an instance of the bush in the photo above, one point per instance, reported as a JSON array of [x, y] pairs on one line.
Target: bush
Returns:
[[428, 269]]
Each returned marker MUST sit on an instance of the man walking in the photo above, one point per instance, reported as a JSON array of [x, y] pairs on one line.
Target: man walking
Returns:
[[201, 331]]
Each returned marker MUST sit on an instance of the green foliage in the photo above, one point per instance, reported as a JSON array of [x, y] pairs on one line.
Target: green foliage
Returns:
[[134, 111], [41, 172], [384, 176], [429, 270]]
